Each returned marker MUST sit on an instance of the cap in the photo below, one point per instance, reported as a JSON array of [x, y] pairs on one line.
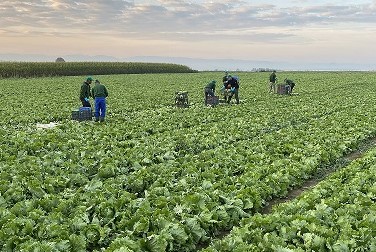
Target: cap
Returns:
[[89, 78]]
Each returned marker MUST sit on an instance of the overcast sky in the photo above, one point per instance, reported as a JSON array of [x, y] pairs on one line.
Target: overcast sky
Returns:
[[296, 30]]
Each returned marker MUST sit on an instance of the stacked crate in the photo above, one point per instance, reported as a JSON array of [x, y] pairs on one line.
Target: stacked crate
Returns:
[[82, 114]]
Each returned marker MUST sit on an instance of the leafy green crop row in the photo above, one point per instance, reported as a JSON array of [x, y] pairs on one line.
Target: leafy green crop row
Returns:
[[158, 178], [337, 215]]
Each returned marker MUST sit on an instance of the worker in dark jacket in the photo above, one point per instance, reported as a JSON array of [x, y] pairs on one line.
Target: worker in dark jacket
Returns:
[[225, 89], [85, 92], [209, 90], [99, 92], [225, 78], [272, 82], [291, 85], [234, 82]]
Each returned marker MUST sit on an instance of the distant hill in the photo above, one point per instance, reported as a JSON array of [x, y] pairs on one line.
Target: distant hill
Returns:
[[249, 65]]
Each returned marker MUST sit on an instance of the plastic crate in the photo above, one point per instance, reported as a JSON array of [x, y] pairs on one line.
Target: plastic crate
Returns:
[[283, 89], [181, 99], [83, 114], [212, 100]]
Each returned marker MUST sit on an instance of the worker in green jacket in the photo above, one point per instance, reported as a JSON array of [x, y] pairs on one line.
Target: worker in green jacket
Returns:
[[99, 92], [272, 82], [85, 92], [209, 90]]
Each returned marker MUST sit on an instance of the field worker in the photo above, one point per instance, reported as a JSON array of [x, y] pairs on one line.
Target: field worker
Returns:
[[272, 82], [234, 83], [85, 92], [99, 92], [291, 85], [209, 90], [225, 78], [224, 89]]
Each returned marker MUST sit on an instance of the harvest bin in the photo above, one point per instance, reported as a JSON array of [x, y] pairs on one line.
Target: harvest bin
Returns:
[[212, 100], [82, 114], [181, 99], [283, 89]]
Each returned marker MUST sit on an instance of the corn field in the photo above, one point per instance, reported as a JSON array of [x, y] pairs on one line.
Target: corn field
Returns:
[[45, 69]]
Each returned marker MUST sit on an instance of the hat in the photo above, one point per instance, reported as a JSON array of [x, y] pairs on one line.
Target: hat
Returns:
[[213, 81], [89, 78]]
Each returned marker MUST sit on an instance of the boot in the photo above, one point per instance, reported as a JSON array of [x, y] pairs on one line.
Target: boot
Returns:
[[101, 119]]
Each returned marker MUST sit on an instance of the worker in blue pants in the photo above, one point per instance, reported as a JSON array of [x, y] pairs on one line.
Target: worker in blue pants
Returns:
[[99, 92]]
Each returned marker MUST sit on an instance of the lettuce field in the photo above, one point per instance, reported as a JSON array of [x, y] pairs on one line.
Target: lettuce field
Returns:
[[154, 177]]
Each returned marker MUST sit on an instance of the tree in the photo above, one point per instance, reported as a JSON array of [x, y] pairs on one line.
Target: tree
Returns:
[[60, 59]]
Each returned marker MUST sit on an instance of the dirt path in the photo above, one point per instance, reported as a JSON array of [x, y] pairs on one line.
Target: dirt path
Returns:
[[308, 184]]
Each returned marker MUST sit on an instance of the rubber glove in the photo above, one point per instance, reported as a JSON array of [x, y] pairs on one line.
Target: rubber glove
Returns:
[[86, 99], [233, 89]]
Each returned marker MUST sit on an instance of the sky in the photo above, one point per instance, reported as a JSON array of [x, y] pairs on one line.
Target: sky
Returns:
[[291, 31]]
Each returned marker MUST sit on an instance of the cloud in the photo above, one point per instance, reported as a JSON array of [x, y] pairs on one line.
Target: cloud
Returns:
[[187, 26], [127, 17]]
